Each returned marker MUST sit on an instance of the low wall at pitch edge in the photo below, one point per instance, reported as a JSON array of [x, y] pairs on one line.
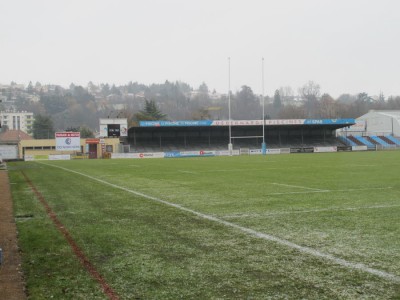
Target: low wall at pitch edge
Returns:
[[206, 153], [201, 153]]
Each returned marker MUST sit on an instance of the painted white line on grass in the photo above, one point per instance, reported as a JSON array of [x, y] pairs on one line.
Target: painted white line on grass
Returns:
[[364, 189], [272, 214], [187, 172], [330, 191], [299, 187], [248, 170], [291, 193], [261, 235], [362, 166]]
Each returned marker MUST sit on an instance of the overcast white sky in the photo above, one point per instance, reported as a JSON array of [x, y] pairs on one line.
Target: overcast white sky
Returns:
[[346, 46]]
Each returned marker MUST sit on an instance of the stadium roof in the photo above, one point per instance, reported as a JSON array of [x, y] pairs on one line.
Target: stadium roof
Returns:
[[329, 123]]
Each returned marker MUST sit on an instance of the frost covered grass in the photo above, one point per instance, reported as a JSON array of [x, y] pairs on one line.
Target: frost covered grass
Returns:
[[344, 205]]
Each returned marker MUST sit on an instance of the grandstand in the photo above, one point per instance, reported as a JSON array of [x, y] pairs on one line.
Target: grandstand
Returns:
[[165, 136], [372, 142]]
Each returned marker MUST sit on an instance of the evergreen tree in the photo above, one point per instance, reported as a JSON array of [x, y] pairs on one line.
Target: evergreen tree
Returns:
[[42, 127], [150, 112]]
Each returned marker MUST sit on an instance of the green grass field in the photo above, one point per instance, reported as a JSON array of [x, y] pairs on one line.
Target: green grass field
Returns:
[[301, 226]]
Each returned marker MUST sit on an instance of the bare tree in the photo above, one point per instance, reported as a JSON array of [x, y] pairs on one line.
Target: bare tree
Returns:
[[328, 107], [310, 92], [286, 93], [292, 112]]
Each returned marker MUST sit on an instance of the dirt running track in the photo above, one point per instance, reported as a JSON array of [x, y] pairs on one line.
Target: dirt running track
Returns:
[[11, 279]]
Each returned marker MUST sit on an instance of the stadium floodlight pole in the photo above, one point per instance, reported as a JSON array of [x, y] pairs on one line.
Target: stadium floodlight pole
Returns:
[[264, 145], [230, 148]]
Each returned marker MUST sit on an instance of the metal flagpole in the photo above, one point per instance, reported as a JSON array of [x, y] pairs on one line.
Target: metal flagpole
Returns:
[[264, 145], [230, 148]]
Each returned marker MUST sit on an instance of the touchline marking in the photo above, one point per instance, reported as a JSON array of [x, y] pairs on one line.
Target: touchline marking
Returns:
[[83, 259], [261, 235], [299, 187], [256, 215]]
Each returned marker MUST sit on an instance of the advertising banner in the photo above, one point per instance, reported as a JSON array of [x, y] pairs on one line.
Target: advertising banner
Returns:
[[325, 149], [190, 123], [180, 154], [183, 123], [68, 141], [138, 155], [255, 152], [8, 151], [237, 123], [359, 148], [29, 157], [268, 151], [273, 151], [285, 122], [329, 121]]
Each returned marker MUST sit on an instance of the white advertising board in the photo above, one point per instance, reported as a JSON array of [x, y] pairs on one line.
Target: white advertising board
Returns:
[[325, 149], [226, 152], [68, 141], [255, 152], [138, 155], [268, 151], [359, 148], [273, 151], [8, 152]]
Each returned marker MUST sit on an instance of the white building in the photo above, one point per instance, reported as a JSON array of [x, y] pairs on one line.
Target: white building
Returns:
[[17, 120], [376, 122]]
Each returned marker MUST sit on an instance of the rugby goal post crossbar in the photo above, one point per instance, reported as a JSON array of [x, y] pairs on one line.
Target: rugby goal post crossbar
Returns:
[[246, 151], [247, 137]]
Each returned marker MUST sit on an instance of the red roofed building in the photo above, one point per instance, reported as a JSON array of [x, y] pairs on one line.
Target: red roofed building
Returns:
[[13, 137]]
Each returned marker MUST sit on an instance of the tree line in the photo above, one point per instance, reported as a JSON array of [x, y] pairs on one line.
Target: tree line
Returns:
[[79, 108]]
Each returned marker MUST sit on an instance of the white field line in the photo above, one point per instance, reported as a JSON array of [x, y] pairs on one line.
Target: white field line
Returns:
[[299, 187], [272, 214], [251, 232], [247, 170], [330, 191], [362, 166], [187, 172]]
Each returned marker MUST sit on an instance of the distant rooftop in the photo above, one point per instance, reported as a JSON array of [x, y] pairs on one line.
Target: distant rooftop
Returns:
[[12, 136]]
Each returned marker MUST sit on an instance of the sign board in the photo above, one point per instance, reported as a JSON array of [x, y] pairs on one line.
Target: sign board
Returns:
[[68, 141], [206, 123], [359, 148], [92, 141], [138, 155], [8, 152], [113, 127], [325, 149]]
